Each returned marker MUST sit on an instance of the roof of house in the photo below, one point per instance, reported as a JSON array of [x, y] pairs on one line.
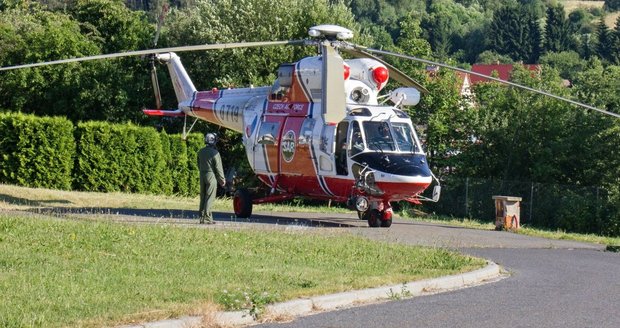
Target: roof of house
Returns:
[[503, 71]]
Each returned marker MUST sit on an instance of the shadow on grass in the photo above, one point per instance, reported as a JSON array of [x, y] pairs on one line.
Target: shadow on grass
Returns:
[[147, 215], [29, 202]]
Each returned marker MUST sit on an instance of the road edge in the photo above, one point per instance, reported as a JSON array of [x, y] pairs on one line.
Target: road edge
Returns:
[[305, 306]]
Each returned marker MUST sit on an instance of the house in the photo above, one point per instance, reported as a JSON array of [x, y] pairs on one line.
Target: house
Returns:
[[500, 71]]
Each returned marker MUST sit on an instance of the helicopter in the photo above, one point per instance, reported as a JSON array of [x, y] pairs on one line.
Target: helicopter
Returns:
[[322, 130]]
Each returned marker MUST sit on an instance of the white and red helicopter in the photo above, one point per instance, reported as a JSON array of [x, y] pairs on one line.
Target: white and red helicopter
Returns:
[[322, 130], [319, 131]]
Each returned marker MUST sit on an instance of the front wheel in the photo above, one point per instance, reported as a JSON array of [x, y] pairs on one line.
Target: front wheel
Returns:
[[386, 223], [242, 203], [374, 218]]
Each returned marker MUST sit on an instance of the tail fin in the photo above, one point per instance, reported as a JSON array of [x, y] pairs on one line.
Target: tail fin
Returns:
[[183, 86]]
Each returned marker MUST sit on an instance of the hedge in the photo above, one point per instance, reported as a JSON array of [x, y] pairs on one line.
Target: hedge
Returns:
[[96, 156], [114, 157], [36, 151]]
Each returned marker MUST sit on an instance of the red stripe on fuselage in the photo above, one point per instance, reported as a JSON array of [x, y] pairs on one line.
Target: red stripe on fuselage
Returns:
[[204, 105]]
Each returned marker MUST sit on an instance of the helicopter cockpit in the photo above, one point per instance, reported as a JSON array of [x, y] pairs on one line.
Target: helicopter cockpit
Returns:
[[382, 141]]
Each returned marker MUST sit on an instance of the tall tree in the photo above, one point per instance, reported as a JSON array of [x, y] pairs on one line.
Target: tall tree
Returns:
[[612, 5], [615, 43], [514, 31], [557, 34], [603, 40]]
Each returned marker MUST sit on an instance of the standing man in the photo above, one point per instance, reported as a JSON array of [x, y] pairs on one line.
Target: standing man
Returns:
[[211, 173]]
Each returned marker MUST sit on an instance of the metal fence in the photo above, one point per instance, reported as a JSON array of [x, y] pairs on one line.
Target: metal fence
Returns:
[[551, 206]]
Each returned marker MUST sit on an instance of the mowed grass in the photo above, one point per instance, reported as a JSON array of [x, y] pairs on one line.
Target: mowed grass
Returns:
[[57, 272]]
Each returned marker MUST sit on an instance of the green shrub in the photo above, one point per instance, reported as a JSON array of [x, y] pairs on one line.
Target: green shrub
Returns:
[[36, 151], [115, 157], [177, 164]]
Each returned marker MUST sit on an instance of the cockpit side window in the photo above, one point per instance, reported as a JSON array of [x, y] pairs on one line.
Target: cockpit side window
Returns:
[[357, 141]]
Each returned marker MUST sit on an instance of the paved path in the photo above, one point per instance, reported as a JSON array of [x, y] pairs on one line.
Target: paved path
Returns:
[[552, 284]]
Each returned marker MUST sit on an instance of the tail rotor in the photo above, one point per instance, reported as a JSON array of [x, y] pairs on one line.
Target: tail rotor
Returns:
[[160, 21]]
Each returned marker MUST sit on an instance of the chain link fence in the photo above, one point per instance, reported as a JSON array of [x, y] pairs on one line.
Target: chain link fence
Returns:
[[549, 206]]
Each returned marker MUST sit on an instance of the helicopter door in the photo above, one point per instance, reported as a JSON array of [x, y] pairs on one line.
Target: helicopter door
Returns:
[[341, 148], [267, 144]]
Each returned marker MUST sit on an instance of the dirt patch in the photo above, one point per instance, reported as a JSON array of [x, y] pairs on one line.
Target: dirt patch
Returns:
[[570, 6]]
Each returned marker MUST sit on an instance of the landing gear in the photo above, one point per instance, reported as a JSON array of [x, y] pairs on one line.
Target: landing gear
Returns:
[[242, 203], [380, 216]]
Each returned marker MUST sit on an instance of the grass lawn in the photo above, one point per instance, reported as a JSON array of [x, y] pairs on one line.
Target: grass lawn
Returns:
[[57, 272]]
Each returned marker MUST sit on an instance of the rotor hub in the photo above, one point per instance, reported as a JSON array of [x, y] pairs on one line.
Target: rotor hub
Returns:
[[330, 32]]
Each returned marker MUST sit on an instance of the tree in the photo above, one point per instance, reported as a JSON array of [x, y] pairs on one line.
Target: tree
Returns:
[[412, 43], [615, 43], [114, 27], [492, 57], [557, 34], [217, 22], [34, 35], [568, 63], [525, 136], [113, 90], [514, 31], [603, 41], [449, 25], [612, 5]]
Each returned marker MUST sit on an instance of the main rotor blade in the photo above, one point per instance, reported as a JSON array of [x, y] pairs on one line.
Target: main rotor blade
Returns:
[[493, 79], [217, 46], [395, 73]]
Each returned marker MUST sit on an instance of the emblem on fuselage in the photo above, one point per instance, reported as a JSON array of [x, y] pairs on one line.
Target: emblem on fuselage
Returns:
[[288, 146]]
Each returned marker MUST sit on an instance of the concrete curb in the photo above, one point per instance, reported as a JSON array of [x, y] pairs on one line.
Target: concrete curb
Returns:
[[310, 305]]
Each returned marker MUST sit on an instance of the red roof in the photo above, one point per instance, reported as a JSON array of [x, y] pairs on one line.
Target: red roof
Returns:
[[503, 71]]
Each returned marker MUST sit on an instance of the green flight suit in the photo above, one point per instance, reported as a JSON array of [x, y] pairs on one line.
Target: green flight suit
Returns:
[[211, 173]]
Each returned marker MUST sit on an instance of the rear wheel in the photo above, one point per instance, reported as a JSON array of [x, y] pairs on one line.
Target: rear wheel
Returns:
[[242, 203]]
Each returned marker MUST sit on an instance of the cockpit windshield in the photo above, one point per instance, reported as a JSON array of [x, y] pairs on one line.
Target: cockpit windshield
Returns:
[[405, 138], [378, 136], [383, 136]]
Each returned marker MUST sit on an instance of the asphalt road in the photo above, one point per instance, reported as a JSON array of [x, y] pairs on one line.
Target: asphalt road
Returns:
[[551, 283]]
